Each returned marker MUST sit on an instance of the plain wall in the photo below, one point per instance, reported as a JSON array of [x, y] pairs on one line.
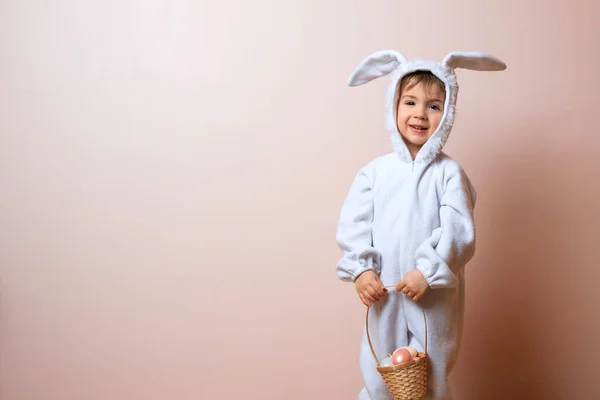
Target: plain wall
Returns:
[[172, 173]]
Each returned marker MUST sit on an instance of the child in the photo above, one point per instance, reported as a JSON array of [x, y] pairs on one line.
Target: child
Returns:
[[408, 220]]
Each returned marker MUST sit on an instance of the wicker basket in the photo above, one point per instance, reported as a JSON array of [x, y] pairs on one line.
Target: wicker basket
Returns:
[[407, 381]]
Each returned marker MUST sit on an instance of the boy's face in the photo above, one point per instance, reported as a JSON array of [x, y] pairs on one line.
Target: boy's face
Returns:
[[420, 110]]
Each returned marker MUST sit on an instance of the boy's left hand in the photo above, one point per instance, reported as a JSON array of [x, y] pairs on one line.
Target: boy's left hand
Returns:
[[413, 285]]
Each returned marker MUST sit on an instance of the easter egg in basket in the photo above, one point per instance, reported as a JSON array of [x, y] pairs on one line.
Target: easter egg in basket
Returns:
[[401, 356]]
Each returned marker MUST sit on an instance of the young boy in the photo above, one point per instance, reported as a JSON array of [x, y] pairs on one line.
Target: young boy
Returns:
[[408, 220]]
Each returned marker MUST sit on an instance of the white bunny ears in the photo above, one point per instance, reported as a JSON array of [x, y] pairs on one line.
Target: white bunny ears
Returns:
[[384, 62], [474, 61]]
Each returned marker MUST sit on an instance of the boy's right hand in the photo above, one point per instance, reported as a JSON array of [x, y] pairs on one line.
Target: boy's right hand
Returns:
[[369, 287]]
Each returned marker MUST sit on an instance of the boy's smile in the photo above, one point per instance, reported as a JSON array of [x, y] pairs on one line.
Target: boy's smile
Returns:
[[419, 128]]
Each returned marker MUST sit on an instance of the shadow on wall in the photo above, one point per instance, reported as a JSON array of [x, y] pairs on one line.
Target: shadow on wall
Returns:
[[513, 329]]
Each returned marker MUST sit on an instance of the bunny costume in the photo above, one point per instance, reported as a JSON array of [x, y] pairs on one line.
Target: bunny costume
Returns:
[[401, 214]]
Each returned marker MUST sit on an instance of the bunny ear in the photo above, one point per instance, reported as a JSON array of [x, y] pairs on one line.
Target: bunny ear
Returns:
[[474, 61], [375, 66]]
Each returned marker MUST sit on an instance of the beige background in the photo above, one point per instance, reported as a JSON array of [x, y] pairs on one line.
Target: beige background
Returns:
[[172, 173]]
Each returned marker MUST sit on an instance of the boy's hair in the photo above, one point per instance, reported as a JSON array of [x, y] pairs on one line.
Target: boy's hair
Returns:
[[427, 77]]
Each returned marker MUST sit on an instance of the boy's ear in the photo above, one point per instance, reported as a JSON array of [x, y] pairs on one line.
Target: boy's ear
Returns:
[[474, 61], [375, 66]]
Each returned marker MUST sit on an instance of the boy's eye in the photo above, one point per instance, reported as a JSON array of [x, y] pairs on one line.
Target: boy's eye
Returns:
[[434, 107], [410, 103]]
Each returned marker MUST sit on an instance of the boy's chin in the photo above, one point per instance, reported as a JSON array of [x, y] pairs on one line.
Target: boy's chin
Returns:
[[418, 143]]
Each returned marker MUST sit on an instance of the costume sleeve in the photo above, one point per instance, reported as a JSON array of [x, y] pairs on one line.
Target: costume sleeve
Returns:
[[354, 235], [451, 245]]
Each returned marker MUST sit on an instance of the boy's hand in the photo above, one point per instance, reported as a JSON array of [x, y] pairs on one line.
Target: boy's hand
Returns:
[[413, 285], [369, 287]]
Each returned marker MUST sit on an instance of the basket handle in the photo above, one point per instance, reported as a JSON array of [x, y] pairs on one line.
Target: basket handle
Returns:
[[369, 336]]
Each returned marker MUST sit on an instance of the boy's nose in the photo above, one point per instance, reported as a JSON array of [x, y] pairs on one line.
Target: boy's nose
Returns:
[[420, 114]]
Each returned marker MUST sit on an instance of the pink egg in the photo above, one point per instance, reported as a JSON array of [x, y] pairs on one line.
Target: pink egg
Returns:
[[401, 356], [411, 350]]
